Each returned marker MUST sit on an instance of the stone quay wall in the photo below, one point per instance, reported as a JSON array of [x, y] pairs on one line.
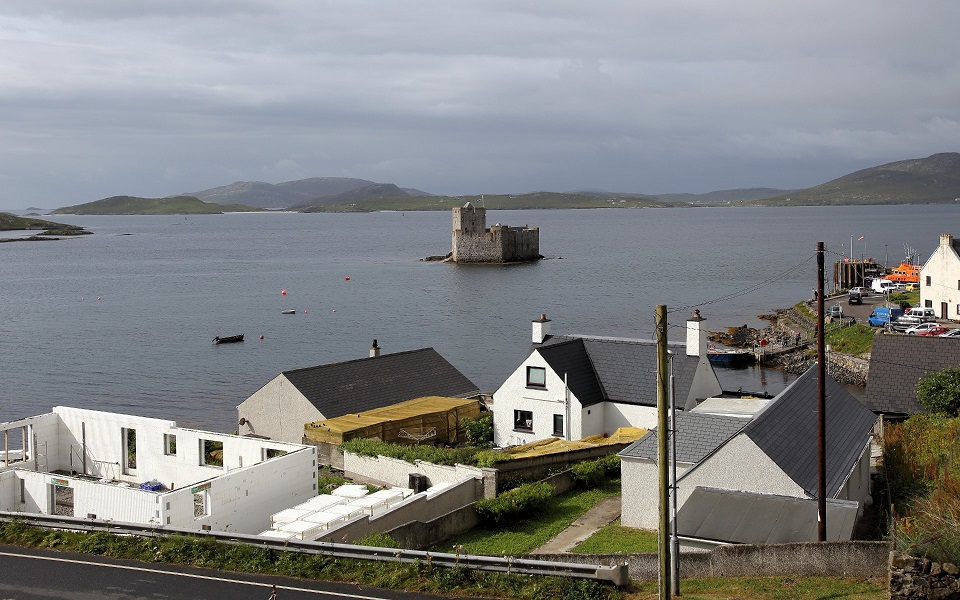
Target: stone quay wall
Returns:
[[912, 577]]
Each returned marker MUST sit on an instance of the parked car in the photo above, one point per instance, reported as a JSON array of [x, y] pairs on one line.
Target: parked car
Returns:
[[835, 311], [918, 329], [912, 287], [938, 330], [854, 298], [883, 315], [951, 333], [860, 290]]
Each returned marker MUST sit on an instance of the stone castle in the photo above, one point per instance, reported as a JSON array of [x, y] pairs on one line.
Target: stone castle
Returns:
[[474, 243]]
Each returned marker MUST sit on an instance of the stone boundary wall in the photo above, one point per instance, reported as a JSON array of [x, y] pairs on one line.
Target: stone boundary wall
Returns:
[[912, 577], [853, 559], [383, 470]]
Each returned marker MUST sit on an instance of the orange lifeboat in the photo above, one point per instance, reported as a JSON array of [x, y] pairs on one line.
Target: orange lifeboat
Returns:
[[905, 273]]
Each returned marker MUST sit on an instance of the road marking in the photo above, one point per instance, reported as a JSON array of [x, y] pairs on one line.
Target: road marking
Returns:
[[192, 575]]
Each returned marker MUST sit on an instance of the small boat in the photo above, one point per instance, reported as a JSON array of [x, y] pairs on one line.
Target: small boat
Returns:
[[288, 311], [729, 357], [228, 340]]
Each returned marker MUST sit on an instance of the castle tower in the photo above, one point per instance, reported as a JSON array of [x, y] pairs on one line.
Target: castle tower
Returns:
[[469, 219]]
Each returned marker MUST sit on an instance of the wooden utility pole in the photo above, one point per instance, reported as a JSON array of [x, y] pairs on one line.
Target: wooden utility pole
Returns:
[[663, 462], [821, 404]]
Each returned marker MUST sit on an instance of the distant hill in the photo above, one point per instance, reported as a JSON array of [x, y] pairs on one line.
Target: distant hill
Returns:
[[535, 200], [374, 191], [931, 180], [130, 205], [724, 196]]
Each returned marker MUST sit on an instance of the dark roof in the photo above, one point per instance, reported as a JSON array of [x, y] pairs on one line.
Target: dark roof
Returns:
[[698, 434], [615, 370], [368, 383], [897, 362], [786, 431]]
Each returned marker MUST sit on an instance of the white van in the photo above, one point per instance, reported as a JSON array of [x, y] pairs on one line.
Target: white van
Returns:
[[917, 315], [882, 286]]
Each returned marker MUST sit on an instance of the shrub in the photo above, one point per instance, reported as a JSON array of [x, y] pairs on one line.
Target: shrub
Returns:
[[412, 453], [939, 391], [591, 474], [510, 505], [490, 458], [479, 430]]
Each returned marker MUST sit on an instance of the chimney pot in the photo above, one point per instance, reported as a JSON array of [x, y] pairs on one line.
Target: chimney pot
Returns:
[[374, 349]]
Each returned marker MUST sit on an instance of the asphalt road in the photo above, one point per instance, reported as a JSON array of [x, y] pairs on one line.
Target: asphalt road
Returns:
[[30, 574], [858, 311]]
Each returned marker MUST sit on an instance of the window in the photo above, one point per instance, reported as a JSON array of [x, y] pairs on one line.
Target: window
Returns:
[[129, 451], [523, 419], [211, 453], [169, 444], [558, 425], [928, 281], [928, 303], [536, 377], [269, 453]]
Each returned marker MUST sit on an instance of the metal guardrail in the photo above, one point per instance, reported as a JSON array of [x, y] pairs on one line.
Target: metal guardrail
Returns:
[[617, 574]]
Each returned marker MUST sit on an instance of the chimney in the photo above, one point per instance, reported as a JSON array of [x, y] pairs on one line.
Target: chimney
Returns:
[[541, 329], [374, 350], [946, 239], [696, 335]]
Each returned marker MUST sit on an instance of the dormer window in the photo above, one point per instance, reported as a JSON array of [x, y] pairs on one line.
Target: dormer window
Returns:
[[536, 377]]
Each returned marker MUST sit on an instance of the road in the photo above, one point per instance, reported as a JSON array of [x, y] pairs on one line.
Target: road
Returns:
[[30, 574]]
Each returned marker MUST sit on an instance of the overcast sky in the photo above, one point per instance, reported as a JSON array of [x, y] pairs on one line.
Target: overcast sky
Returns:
[[156, 97]]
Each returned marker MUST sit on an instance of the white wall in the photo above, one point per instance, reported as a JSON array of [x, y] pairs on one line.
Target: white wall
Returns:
[[41, 432], [857, 486], [243, 500], [9, 490], [277, 411], [705, 384], [943, 268], [514, 394], [396, 472], [626, 415]]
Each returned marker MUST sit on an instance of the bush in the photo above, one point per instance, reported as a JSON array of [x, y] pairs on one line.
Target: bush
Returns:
[[939, 392], [511, 505], [479, 430], [591, 474], [490, 458], [412, 453]]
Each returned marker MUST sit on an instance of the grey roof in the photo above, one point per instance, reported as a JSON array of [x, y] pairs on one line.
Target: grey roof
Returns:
[[698, 435], [614, 369], [750, 518], [897, 363], [367, 383], [786, 431]]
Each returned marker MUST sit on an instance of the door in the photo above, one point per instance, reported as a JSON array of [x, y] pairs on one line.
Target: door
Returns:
[[944, 311]]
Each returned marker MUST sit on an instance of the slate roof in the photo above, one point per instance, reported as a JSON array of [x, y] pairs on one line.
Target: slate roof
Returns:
[[897, 362], [614, 369], [367, 383], [698, 434], [786, 431]]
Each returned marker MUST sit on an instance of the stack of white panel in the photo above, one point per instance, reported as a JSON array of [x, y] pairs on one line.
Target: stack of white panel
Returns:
[[321, 502], [433, 490], [288, 515], [346, 511], [302, 530], [369, 504], [276, 535], [350, 491], [390, 496], [325, 520]]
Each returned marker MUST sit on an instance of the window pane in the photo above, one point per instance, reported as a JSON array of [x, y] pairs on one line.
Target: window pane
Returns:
[[536, 376], [557, 424], [523, 419]]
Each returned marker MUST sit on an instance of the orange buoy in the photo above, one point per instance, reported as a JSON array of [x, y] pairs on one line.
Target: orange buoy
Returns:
[[346, 279]]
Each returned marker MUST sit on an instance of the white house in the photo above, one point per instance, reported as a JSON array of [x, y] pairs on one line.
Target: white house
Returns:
[[281, 408], [572, 387], [940, 279], [109, 466], [766, 458]]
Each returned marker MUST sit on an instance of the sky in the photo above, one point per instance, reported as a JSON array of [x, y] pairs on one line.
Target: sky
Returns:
[[157, 97]]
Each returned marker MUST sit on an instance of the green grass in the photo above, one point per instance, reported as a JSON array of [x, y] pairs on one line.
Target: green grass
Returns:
[[850, 339], [616, 538], [772, 588], [531, 533]]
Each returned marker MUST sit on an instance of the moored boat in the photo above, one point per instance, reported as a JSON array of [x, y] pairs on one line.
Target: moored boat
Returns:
[[230, 339], [288, 311], [728, 357]]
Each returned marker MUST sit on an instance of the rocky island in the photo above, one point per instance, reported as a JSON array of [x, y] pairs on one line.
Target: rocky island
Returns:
[[49, 229]]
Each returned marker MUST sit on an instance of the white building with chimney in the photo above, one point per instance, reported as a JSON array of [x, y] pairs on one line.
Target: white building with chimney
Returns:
[[940, 279], [575, 386]]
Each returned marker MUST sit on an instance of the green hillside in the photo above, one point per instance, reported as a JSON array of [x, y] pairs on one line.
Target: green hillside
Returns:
[[11, 222], [536, 200], [931, 180], [130, 205]]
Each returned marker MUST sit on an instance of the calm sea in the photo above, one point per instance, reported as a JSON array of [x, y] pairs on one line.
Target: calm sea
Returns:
[[123, 320]]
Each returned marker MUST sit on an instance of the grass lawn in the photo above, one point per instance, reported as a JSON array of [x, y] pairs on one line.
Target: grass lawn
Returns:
[[530, 533], [852, 339], [616, 538], [771, 588]]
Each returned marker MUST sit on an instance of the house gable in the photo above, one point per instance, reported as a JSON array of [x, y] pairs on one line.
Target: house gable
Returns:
[[940, 279], [277, 411]]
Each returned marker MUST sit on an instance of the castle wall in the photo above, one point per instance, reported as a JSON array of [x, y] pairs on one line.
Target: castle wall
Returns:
[[473, 243]]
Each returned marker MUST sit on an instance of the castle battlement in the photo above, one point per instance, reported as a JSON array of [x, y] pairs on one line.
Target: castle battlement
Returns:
[[473, 242]]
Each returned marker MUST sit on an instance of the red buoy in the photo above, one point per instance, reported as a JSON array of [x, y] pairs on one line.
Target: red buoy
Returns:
[[346, 279], [261, 336], [283, 293]]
